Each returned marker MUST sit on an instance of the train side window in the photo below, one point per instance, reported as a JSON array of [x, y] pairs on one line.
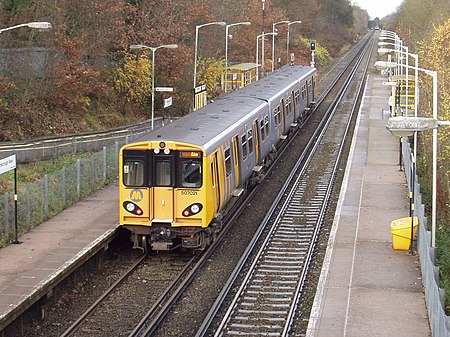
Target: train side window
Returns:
[[133, 173], [163, 173], [276, 116], [191, 173], [297, 100], [288, 105], [244, 146], [228, 161], [213, 175], [250, 141], [303, 92], [266, 124], [263, 134]]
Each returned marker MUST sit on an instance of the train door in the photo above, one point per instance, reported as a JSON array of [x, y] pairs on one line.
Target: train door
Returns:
[[309, 92], [215, 183], [228, 169], [313, 97], [236, 156], [294, 106], [256, 138], [163, 171], [283, 115]]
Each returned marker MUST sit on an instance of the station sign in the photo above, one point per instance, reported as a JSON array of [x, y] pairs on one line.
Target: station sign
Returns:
[[7, 164], [200, 88], [167, 102], [164, 89]]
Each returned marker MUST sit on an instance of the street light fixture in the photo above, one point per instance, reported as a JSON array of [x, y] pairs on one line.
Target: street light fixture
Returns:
[[35, 25], [273, 41], [262, 50], [153, 49], [288, 36], [219, 23], [226, 47]]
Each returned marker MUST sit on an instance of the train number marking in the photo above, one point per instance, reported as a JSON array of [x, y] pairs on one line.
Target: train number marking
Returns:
[[189, 192]]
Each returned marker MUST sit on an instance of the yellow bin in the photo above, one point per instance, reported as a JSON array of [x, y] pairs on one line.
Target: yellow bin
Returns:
[[401, 232]]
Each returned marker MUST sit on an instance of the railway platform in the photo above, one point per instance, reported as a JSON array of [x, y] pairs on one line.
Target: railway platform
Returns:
[[52, 250], [366, 288]]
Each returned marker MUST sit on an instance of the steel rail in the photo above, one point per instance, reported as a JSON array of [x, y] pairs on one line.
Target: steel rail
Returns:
[[206, 324], [148, 325], [73, 328]]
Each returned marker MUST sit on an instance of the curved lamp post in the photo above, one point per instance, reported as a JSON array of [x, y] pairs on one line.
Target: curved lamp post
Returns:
[[36, 25], [219, 23], [382, 51], [247, 23], [273, 40], [262, 51], [287, 39], [153, 49]]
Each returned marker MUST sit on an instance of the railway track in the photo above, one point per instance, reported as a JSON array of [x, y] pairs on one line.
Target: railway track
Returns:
[[123, 296], [266, 298], [284, 232], [152, 320]]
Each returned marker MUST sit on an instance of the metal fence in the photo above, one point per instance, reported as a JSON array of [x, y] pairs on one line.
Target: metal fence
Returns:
[[434, 296], [40, 200]]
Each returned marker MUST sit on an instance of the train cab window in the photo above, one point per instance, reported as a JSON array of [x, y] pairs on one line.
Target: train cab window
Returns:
[[191, 173], [244, 147], [163, 173], [250, 141], [228, 161], [133, 173], [134, 168]]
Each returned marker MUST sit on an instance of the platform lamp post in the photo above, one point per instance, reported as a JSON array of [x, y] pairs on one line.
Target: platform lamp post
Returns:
[[408, 123], [399, 44], [153, 49], [416, 81], [288, 37], [262, 51], [262, 34], [218, 23], [382, 51], [35, 25], [273, 40], [247, 23]]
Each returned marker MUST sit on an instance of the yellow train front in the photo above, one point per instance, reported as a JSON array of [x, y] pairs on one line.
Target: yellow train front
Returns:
[[164, 198], [179, 181]]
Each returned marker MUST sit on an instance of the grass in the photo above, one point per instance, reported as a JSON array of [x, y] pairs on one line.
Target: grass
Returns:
[[31, 172]]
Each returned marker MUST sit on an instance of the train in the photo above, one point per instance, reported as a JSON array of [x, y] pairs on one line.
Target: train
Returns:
[[177, 182]]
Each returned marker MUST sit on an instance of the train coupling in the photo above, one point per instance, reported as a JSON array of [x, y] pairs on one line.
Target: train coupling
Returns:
[[191, 242]]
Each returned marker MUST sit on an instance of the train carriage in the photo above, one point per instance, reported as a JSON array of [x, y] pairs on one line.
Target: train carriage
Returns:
[[177, 181]]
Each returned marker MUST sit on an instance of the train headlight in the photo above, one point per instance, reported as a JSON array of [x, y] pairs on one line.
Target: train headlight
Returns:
[[195, 208], [192, 209], [132, 208]]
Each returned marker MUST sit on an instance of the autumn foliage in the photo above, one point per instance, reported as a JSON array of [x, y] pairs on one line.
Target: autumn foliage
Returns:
[[93, 81]]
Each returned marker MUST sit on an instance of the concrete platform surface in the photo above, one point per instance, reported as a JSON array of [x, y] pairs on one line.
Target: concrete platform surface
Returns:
[[366, 288]]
